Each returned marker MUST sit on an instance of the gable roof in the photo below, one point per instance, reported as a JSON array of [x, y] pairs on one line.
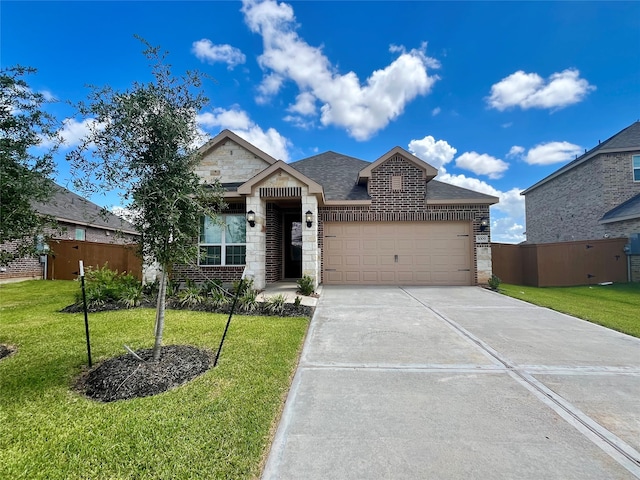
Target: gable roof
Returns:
[[626, 140], [428, 170], [245, 188], [339, 175], [66, 206], [229, 135], [336, 173], [628, 210]]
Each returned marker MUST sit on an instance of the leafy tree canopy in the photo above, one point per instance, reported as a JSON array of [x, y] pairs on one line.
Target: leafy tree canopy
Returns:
[[25, 129], [144, 140]]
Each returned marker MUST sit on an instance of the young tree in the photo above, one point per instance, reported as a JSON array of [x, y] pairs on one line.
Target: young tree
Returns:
[[24, 174], [144, 140]]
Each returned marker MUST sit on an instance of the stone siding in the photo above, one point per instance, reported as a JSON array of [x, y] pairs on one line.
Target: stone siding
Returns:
[[229, 163], [568, 207]]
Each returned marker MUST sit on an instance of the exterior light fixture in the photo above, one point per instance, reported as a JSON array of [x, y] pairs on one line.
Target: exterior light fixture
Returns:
[[251, 218], [484, 223], [308, 217]]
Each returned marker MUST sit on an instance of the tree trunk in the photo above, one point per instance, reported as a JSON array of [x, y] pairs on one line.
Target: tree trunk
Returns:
[[162, 301]]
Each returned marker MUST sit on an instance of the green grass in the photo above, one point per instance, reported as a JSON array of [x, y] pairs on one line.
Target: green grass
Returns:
[[614, 306], [216, 426]]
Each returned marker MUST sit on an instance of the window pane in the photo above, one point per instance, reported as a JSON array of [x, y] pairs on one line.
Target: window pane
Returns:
[[80, 234], [636, 175], [210, 256], [210, 232], [236, 255], [236, 229], [636, 161]]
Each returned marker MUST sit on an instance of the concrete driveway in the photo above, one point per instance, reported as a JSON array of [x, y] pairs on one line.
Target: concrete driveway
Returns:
[[457, 383]]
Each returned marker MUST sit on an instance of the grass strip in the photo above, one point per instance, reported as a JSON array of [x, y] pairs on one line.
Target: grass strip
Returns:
[[615, 306], [216, 426]]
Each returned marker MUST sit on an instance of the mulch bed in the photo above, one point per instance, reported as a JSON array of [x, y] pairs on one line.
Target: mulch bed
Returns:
[[290, 309], [6, 350], [126, 377]]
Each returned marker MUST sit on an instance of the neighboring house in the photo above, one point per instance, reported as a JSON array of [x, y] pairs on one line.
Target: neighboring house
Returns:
[[595, 196], [76, 219], [340, 220]]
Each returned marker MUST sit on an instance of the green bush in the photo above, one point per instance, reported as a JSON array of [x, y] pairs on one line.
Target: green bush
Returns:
[[275, 305], [494, 282], [103, 285], [305, 285]]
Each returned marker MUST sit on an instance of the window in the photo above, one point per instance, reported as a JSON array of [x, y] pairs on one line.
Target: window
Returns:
[[80, 234], [636, 168], [223, 244]]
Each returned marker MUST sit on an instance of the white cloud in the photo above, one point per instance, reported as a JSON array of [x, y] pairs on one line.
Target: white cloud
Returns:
[[515, 151], [435, 111], [506, 216], [305, 104], [529, 90], [206, 51], [73, 132], [552, 152], [435, 153], [482, 164], [270, 141], [362, 109]]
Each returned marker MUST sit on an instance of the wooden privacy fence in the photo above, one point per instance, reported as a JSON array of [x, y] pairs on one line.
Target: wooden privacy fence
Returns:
[[561, 264], [62, 262]]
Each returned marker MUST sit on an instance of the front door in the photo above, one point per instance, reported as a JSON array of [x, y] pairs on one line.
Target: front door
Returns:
[[292, 246]]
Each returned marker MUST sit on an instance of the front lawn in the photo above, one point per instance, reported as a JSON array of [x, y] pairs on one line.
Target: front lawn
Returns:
[[614, 306], [216, 426]]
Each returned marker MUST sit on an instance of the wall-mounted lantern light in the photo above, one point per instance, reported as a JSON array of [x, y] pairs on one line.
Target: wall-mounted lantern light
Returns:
[[251, 218], [308, 217], [484, 223]]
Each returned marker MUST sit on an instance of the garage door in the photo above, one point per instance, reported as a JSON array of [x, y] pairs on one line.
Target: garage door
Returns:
[[398, 253]]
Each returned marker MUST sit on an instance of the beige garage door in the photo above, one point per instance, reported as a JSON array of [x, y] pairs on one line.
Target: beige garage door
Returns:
[[398, 253]]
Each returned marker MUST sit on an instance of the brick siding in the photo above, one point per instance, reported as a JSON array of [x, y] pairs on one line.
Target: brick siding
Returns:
[[568, 207], [274, 243]]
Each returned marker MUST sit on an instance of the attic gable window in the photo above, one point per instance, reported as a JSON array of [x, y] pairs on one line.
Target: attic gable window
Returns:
[[396, 183], [636, 168]]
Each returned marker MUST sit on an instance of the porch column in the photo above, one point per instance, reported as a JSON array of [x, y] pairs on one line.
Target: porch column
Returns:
[[310, 256], [256, 242]]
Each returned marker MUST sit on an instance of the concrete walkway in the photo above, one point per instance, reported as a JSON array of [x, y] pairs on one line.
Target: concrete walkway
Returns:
[[457, 383]]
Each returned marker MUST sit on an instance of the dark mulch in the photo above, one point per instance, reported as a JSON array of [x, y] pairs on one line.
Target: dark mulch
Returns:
[[290, 309], [6, 350], [126, 377]]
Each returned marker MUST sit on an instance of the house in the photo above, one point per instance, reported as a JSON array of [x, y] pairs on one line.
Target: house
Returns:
[[595, 196], [339, 220], [77, 219]]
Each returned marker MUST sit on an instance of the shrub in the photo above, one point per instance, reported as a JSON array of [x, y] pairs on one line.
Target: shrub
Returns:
[[494, 282], [275, 305], [103, 285], [219, 298], [247, 284], [190, 296], [247, 301], [305, 285]]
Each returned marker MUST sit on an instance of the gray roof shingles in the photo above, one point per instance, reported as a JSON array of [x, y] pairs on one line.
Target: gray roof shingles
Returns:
[[72, 208], [338, 175], [624, 211]]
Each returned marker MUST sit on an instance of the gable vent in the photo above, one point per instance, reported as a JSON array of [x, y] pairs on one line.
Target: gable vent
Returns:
[[283, 192]]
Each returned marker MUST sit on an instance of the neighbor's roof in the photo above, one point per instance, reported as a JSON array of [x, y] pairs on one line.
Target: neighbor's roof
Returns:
[[67, 206], [626, 140], [338, 174], [628, 210]]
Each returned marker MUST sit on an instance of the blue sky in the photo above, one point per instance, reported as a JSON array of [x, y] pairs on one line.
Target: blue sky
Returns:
[[495, 95]]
